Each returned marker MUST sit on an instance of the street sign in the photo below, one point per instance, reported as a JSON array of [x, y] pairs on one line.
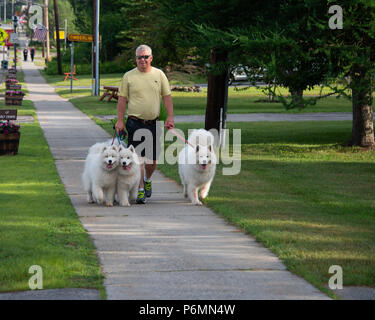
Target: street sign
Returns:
[[61, 35], [8, 114], [80, 37], [3, 36], [13, 37]]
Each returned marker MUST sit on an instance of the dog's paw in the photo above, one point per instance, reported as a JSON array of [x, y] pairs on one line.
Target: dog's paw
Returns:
[[197, 203], [124, 204], [109, 204]]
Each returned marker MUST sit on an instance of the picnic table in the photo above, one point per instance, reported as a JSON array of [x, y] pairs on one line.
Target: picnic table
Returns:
[[111, 92], [68, 75]]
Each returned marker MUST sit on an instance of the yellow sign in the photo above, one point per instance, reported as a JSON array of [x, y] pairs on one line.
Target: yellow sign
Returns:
[[61, 35], [3, 36], [81, 37]]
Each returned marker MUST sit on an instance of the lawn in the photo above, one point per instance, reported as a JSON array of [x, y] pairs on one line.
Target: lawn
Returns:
[[38, 224], [309, 200], [195, 103], [306, 198]]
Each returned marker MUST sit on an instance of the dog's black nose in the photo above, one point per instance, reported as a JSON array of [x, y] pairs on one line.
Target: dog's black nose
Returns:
[[109, 161]]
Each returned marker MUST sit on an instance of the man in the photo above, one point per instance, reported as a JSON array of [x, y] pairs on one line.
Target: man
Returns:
[[141, 90], [32, 52]]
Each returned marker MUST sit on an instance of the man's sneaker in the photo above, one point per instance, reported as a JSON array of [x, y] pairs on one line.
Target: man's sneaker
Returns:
[[148, 188], [141, 199]]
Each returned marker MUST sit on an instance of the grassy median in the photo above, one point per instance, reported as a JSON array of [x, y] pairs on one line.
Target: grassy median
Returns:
[[38, 225]]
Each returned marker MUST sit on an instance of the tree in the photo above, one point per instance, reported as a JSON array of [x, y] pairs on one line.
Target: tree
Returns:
[[354, 47], [296, 33], [200, 25]]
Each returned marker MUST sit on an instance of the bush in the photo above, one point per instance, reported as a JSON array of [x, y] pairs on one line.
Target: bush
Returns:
[[105, 67], [82, 61]]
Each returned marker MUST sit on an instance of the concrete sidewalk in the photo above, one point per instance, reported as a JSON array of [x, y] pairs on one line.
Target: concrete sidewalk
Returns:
[[168, 248]]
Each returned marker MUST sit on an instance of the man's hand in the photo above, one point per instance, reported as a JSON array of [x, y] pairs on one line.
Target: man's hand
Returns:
[[119, 126], [169, 123]]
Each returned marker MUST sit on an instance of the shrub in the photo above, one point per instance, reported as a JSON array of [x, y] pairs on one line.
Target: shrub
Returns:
[[105, 67]]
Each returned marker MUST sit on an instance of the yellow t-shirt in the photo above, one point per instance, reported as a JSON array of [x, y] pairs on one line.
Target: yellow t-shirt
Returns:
[[143, 91]]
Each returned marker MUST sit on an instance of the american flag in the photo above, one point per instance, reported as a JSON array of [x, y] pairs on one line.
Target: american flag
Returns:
[[40, 32]]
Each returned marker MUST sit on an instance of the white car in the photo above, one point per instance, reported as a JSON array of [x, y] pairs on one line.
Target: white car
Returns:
[[240, 73], [237, 74]]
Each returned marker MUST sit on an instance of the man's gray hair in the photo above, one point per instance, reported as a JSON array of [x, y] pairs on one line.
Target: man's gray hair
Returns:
[[143, 47]]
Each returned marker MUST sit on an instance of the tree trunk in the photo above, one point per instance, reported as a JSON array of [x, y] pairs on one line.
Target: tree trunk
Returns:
[[59, 67], [363, 116], [216, 91], [297, 96]]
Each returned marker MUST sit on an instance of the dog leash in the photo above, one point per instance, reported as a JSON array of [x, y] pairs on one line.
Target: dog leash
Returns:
[[120, 137], [181, 137]]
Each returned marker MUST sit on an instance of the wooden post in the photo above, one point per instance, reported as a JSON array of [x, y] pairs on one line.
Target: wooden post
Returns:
[[45, 17], [59, 67]]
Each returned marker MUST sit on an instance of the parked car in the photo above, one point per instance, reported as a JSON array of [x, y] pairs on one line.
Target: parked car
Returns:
[[242, 73], [237, 74]]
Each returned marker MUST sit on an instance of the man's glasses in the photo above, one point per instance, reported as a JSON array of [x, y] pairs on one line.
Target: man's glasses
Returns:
[[143, 57]]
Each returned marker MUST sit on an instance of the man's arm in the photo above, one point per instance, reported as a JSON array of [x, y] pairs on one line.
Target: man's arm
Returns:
[[121, 109], [168, 103]]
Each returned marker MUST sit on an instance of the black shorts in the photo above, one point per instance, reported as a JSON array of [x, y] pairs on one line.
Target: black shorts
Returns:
[[144, 138]]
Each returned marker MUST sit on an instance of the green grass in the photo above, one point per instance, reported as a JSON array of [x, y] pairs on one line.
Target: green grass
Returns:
[[83, 80], [306, 198], [302, 195], [309, 200], [195, 103], [38, 224]]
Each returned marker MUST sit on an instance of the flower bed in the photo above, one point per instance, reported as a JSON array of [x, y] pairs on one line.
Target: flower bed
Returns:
[[9, 138], [14, 97]]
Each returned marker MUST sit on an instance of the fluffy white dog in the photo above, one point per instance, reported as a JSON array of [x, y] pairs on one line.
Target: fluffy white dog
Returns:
[[129, 175], [197, 165], [100, 173]]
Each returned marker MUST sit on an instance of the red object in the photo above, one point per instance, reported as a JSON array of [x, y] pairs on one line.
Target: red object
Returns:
[[7, 40]]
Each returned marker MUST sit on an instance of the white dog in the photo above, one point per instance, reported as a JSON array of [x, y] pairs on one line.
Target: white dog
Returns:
[[129, 175], [197, 165], [100, 173]]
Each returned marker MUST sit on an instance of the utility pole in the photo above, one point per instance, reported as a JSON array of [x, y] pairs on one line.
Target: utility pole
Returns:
[[45, 17], [93, 56], [59, 67], [5, 11], [95, 47]]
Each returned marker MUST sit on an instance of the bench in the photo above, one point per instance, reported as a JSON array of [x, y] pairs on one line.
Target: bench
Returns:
[[111, 92], [68, 75]]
